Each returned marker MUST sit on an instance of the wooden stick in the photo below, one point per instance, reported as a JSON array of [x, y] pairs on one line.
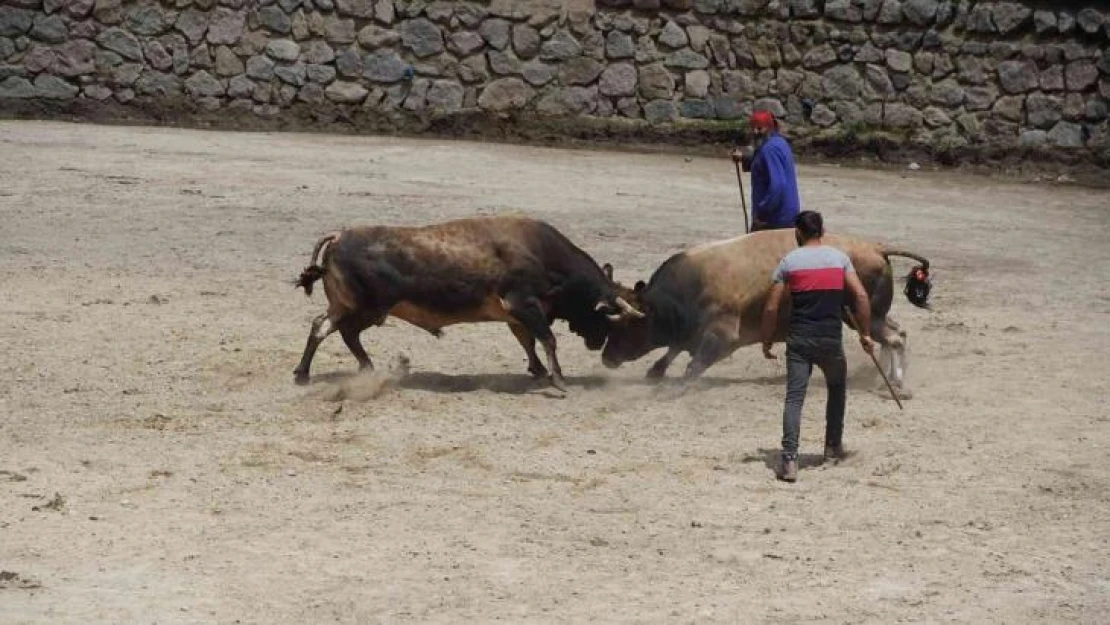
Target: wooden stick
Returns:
[[743, 198]]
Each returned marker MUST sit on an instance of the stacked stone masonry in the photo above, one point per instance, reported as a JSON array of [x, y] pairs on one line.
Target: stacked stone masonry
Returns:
[[948, 73]]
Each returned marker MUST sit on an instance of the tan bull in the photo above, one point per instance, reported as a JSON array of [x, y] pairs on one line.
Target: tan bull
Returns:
[[708, 301]]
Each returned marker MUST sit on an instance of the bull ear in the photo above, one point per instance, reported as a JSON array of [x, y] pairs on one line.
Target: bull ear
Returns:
[[608, 269], [639, 288]]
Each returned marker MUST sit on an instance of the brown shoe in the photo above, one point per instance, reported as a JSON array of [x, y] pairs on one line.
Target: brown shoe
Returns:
[[834, 452], [789, 471]]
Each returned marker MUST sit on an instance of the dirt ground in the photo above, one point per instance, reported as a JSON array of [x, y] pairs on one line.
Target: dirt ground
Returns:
[[157, 464]]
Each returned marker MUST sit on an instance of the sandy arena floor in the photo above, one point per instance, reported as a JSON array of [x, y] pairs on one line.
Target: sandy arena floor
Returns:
[[157, 464]]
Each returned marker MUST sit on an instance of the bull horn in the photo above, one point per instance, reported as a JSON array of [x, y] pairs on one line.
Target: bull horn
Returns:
[[629, 309]]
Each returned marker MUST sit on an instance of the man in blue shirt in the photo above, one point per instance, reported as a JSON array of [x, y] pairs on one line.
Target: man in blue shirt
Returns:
[[775, 201]]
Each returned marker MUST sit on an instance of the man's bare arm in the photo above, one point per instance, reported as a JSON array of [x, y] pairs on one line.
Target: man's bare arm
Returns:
[[771, 317], [862, 306]]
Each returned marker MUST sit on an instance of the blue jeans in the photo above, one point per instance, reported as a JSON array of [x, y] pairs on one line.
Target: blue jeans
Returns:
[[801, 355]]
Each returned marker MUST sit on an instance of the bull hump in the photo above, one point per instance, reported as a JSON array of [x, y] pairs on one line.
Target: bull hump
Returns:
[[737, 269]]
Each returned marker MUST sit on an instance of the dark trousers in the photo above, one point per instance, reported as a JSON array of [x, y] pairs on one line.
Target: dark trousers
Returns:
[[762, 225], [801, 355]]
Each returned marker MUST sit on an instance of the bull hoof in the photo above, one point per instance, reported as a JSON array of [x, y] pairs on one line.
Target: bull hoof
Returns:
[[538, 373], [670, 392], [558, 382], [300, 379], [902, 393]]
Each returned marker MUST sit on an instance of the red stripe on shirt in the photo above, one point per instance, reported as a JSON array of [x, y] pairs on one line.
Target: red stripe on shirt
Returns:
[[826, 279]]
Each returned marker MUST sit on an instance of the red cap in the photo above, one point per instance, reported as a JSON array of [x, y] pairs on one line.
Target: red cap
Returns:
[[762, 120]]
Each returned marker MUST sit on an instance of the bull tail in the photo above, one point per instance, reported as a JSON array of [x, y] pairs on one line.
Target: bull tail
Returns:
[[918, 284], [316, 269], [887, 253]]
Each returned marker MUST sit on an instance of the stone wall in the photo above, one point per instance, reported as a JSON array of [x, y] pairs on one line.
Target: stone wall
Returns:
[[945, 74]]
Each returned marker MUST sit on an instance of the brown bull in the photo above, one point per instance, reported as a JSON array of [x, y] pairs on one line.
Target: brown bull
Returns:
[[518, 271], [709, 300]]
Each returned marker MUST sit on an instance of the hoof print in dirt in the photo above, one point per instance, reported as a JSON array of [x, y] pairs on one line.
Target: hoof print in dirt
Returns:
[[11, 579], [57, 503], [12, 476]]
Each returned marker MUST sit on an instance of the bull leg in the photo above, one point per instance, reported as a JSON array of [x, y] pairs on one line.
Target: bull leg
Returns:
[[528, 342], [350, 333], [709, 351], [901, 360], [529, 313], [322, 326], [556, 377], [893, 358], [720, 340], [886, 359], [659, 369]]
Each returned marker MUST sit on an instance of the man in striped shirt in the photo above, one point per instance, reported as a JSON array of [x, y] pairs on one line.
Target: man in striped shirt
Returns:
[[817, 277]]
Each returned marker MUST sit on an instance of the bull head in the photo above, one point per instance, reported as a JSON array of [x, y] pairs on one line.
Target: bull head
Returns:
[[630, 332], [624, 310]]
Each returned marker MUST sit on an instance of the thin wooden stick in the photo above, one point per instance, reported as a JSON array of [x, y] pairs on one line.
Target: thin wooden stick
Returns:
[[743, 198]]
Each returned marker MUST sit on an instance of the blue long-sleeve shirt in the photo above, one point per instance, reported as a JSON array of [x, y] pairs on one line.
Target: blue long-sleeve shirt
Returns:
[[774, 183]]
